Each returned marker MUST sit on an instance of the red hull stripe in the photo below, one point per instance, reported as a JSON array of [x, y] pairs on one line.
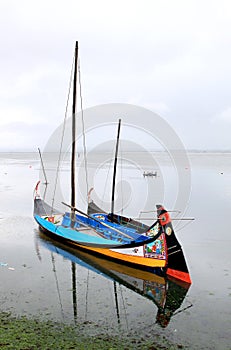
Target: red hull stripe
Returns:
[[183, 276]]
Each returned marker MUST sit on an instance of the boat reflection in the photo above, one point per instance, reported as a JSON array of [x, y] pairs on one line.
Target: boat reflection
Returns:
[[167, 293]]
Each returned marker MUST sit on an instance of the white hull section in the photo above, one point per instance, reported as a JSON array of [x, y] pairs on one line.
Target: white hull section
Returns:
[[138, 251]]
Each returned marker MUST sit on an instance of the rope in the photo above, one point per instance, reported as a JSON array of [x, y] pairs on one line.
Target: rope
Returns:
[[83, 130], [182, 226], [121, 157], [107, 181], [61, 144]]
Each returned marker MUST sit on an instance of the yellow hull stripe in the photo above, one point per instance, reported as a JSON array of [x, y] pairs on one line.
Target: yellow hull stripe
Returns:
[[138, 260]]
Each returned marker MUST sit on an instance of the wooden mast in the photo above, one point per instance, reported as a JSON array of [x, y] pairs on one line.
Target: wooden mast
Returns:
[[73, 150], [114, 171]]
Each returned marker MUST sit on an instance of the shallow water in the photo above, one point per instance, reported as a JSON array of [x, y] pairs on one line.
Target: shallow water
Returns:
[[38, 281]]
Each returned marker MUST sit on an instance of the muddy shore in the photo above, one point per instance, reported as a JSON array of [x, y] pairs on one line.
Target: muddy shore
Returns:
[[24, 334]]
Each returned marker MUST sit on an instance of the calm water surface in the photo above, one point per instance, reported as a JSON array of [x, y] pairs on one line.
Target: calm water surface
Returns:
[[40, 279]]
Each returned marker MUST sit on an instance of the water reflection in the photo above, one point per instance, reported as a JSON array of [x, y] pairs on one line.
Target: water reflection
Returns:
[[167, 294]]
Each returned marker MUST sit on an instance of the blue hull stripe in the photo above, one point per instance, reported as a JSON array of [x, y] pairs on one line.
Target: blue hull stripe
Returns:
[[75, 236]]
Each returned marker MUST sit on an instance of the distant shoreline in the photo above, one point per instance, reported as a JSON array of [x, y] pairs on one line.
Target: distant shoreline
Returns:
[[126, 151]]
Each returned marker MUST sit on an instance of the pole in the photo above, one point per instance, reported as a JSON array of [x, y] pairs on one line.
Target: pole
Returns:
[[114, 171], [73, 150]]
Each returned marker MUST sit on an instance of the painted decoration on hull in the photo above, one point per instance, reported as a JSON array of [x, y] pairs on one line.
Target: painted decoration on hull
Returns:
[[156, 249]]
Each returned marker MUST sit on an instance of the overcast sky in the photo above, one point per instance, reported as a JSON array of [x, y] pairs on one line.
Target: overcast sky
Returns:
[[170, 56]]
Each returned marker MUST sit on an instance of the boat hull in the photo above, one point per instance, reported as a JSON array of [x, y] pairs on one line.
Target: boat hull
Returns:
[[163, 256], [139, 261]]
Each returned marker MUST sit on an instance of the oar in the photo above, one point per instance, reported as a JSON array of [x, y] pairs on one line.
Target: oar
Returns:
[[172, 219], [150, 240], [151, 211], [102, 223]]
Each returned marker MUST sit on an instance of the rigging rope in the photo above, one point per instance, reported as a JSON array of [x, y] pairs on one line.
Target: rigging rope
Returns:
[[121, 188], [83, 130], [182, 226], [61, 144], [63, 131], [110, 162]]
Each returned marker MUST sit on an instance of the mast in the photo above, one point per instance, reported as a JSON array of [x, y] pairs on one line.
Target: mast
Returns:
[[114, 171], [73, 150]]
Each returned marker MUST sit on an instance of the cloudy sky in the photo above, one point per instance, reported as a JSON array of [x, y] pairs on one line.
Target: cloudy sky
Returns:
[[172, 57]]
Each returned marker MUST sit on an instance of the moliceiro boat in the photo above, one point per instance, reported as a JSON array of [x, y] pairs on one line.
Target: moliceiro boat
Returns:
[[156, 248], [111, 236]]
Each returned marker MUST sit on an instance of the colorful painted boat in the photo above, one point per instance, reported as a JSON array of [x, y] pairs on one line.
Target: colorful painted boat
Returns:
[[154, 247]]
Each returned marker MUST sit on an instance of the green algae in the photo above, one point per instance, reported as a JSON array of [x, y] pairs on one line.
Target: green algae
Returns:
[[30, 334]]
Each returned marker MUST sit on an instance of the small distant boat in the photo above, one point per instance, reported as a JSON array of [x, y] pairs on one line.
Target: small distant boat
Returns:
[[150, 173]]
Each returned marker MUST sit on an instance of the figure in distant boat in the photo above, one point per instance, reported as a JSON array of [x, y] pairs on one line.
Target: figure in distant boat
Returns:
[[150, 173]]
